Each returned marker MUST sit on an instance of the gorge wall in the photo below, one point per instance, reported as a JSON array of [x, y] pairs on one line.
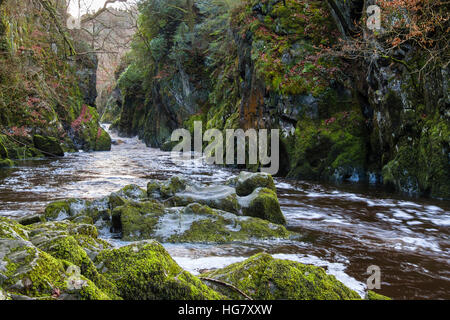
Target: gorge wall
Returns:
[[381, 116], [47, 87]]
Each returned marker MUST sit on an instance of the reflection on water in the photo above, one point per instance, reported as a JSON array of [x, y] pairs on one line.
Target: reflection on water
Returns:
[[343, 229]]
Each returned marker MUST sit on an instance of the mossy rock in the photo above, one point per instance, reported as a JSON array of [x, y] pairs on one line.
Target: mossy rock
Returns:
[[66, 209], [198, 223], [137, 220], [158, 189], [217, 197], [35, 261], [247, 182], [103, 142], [10, 229], [68, 248], [263, 203], [264, 278], [50, 146], [145, 271], [49, 229], [371, 295], [132, 192]]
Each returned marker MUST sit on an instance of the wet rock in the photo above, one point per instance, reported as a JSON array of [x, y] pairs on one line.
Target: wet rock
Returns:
[[48, 145], [27, 220], [263, 203], [247, 182], [34, 261], [103, 142], [158, 189], [195, 223], [217, 197], [132, 192], [66, 209], [145, 271], [137, 220], [264, 278]]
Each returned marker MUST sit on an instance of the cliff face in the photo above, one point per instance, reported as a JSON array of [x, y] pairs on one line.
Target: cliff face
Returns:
[[46, 89], [268, 64]]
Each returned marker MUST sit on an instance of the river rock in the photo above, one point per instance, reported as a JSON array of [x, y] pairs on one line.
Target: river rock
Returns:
[[247, 182], [263, 203], [164, 190], [29, 272], [103, 141], [137, 220], [145, 271], [194, 223], [50, 146], [264, 278], [216, 196]]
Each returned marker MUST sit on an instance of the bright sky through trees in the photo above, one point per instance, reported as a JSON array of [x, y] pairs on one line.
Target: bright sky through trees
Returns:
[[88, 6]]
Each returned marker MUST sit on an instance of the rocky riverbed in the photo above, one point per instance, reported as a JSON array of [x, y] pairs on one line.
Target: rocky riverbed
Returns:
[[59, 255]]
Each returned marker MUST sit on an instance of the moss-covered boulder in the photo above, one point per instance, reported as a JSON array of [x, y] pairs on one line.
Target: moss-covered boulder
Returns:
[[264, 278], [137, 220], [247, 182], [145, 271], [200, 223], [30, 272], [263, 203], [132, 192], [75, 249], [66, 209], [216, 196], [50, 146], [159, 189], [195, 223], [103, 142]]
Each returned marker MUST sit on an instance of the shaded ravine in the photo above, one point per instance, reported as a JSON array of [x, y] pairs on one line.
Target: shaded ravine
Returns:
[[343, 229]]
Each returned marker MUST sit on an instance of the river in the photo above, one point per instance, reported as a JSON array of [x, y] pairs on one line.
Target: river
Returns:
[[344, 229]]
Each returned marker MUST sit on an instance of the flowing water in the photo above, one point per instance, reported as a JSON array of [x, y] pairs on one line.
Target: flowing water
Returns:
[[344, 229]]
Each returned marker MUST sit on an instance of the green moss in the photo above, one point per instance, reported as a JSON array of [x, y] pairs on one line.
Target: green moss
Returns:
[[247, 183], [103, 141], [55, 209], [68, 248], [371, 295], [10, 229], [50, 146], [265, 278], [137, 220], [332, 149], [263, 203], [213, 226], [145, 271]]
